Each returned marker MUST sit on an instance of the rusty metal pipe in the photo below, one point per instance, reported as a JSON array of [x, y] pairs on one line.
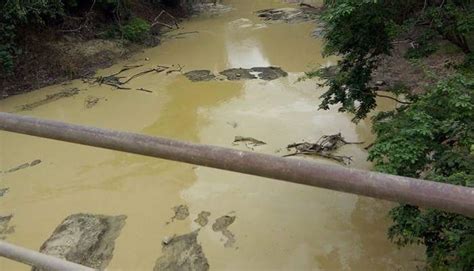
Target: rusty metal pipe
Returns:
[[39, 260], [427, 194]]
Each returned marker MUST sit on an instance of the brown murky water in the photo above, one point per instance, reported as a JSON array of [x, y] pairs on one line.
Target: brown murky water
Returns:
[[279, 226]]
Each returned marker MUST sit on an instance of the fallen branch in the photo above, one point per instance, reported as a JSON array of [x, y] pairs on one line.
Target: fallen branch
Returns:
[[249, 142], [179, 69], [146, 90], [114, 80], [307, 6], [323, 147], [391, 98]]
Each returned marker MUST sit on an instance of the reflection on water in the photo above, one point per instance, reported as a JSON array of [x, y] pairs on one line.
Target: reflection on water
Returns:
[[278, 226]]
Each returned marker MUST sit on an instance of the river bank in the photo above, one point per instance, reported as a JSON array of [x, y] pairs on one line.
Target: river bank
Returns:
[[80, 44]]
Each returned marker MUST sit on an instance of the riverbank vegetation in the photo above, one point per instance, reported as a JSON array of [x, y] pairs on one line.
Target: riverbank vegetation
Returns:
[[46, 42], [430, 134]]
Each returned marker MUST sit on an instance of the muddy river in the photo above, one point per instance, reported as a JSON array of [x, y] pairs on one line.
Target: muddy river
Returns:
[[274, 225]]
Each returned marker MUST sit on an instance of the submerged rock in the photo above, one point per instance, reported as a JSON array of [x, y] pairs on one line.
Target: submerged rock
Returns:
[[85, 239], [210, 8], [182, 253], [234, 74], [5, 227], [203, 218], [238, 74], [304, 13], [181, 212], [269, 73], [23, 166], [3, 191], [51, 98], [221, 224], [200, 75]]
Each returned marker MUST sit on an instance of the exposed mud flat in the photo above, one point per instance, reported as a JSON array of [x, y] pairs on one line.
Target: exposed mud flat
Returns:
[[85, 239], [182, 253]]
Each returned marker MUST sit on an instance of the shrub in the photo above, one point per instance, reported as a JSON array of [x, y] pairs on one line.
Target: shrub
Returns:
[[434, 138], [136, 30]]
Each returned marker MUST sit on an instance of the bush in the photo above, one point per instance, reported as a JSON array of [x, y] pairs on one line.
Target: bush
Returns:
[[434, 138], [136, 30], [425, 46]]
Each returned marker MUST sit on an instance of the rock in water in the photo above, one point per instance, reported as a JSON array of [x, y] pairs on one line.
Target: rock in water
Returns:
[[5, 228], [85, 239], [182, 253], [200, 75], [203, 218], [238, 74]]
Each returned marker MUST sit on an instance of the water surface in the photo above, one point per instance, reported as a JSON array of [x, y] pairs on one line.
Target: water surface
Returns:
[[279, 226]]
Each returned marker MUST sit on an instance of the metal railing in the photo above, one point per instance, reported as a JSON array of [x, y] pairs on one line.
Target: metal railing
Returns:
[[423, 193], [39, 260]]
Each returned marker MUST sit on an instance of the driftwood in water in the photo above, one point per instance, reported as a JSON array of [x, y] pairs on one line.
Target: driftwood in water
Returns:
[[323, 147], [249, 142], [115, 81]]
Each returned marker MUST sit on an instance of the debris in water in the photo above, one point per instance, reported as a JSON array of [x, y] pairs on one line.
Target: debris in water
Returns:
[[92, 101], [115, 81], [145, 90], [50, 98], [203, 218], [221, 224], [85, 239], [249, 142], [323, 147], [234, 124], [23, 166], [182, 253]]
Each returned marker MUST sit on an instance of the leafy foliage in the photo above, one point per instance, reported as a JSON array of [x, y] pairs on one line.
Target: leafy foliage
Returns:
[[136, 30], [360, 31], [356, 30], [433, 138], [425, 46]]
